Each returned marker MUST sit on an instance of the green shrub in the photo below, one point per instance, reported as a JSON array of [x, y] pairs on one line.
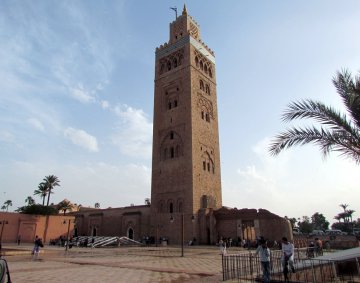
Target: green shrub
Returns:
[[38, 209]]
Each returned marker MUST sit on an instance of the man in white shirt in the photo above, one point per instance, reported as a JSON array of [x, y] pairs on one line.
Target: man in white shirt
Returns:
[[287, 249]]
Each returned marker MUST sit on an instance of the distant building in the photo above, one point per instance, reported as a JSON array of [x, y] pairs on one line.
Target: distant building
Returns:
[[186, 178]]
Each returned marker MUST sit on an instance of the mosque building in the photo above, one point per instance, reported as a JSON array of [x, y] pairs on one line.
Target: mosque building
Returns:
[[186, 196]]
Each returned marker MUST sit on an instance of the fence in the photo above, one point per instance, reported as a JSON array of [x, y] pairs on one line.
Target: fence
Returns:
[[247, 267]]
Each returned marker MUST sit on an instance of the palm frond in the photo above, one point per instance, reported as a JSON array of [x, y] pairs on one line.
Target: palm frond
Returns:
[[327, 141], [349, 91], [327, 116], [339, 132]]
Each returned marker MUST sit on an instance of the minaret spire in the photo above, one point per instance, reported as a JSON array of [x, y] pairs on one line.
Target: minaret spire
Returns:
[[184, 12]]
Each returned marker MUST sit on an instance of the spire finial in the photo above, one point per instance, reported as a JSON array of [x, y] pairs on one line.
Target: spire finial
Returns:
[[184, 12]]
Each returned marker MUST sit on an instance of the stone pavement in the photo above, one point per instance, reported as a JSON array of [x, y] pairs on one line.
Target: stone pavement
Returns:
[[113, 265]]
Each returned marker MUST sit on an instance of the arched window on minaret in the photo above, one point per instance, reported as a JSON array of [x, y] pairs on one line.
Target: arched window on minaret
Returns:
[[171, 207], [197, 61], [169, 65], [207, 117], [208, 163], [162, 67], [201, 66], [180, 60], [201, 85], [207, 89], [210, 73]]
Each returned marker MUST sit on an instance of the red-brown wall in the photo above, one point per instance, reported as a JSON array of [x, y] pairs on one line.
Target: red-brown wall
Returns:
[[28, 226]]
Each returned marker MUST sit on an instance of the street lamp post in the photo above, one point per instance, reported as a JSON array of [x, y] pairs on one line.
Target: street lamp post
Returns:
[[157, 235], [182, 230], [2, 230], [68, 233], [182, 234]]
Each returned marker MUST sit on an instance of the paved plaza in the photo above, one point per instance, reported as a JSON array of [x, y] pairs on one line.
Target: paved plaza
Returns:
[[122, 264]]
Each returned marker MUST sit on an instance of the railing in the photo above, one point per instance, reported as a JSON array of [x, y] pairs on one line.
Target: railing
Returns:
[[106, 241], [247, 267], [100, 241]]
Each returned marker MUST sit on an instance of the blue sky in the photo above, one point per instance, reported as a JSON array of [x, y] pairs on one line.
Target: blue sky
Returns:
[[76, 98]]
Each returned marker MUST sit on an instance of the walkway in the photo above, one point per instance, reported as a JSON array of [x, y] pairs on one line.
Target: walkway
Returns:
[[113, 265]]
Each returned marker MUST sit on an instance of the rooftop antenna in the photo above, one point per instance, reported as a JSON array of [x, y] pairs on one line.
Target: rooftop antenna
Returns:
[[175, 10]]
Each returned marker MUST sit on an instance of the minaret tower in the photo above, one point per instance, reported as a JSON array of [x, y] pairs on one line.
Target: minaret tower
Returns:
[[186, 179]]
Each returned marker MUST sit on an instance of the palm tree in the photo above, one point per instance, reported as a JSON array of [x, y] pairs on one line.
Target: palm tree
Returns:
[[7, 204], [349, 214], [29, 200], [337, 217], [64, 206], [340, 133], [42, 191], [344, 206], [51, 181]]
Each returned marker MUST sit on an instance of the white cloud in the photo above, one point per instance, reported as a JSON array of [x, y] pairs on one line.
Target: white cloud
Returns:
[[250, 172], [82, 95], [35, 123], [297, 182], [82, 138], [134, 136], [105, 104]]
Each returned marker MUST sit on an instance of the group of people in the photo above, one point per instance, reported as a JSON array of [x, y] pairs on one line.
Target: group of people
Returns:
[[287, 258], [315, 248]]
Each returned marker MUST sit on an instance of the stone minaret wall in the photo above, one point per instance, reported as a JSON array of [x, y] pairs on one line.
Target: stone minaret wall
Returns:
[[186, 157]]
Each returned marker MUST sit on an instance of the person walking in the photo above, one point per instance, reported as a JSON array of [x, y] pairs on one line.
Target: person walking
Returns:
[[287, 249], [37, 245], [264, 253], [222, 246]]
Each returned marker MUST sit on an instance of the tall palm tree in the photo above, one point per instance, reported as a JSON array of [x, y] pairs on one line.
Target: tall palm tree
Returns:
[[7, 204], [29, 200], [51, 181], [339, 132], [42, 191]]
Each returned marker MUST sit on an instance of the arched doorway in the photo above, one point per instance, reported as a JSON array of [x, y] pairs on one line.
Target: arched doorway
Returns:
[[94, 232], [130, 233]]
